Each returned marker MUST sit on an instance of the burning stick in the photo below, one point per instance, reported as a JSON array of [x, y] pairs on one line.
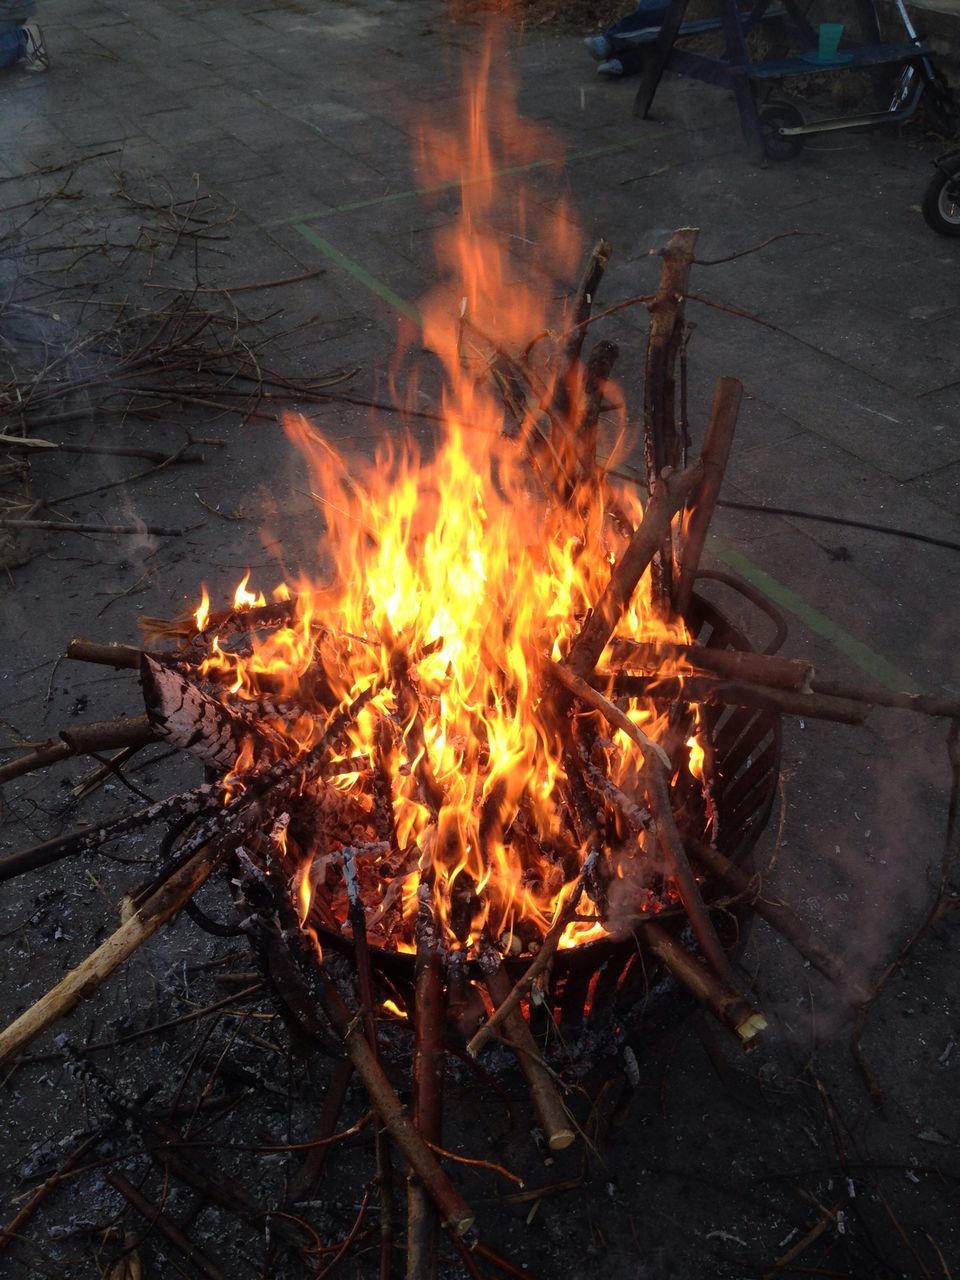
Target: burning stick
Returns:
[[566, 386], [667, 497], [599, 367], [658, 797], [543, 1089], [734, 664], [427, 1083], [539, 964], [87, 977], [713, 455], [194, 721], [723, 1001]]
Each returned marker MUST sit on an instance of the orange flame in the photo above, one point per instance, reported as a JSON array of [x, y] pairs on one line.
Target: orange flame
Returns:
[[454, 582], [203, 611]]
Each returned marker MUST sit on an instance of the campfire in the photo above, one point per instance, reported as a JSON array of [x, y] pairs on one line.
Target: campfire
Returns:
[[505, 763]]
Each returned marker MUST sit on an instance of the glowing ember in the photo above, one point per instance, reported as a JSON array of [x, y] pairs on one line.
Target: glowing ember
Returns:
[[456, 580]]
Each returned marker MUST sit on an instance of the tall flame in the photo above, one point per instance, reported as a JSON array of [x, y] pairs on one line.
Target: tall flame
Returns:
[[454, 582]]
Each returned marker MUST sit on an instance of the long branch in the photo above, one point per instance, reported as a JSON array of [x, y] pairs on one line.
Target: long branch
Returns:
[[668, 497], [87, 977]]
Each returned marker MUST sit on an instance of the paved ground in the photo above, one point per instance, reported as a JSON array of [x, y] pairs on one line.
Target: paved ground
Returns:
[[297, 122]]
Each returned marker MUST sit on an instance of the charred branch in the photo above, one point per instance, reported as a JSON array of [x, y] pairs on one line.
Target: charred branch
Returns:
[[714, 455]]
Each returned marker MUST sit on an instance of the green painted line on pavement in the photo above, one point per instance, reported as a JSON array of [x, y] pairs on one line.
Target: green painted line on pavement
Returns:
[[611, 148], [867, 659], [360, 274]]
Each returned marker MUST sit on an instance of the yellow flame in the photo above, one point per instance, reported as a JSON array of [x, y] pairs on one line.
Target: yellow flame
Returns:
[[203, 610], [453, 582]]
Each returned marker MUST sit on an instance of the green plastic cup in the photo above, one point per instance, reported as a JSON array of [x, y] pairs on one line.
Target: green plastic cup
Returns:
[[830, 33]]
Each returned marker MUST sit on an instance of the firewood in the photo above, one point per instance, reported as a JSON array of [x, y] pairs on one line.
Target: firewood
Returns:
[[667, 497], [539, 964], [307, 1176], [725, 1003], [63, 526], [658, 799], [661, 441], [591, 697], [427, 1083], [87, 977], [101, 735], [552, 1114], [878, 696], [192, 720], [736, 664], [703, 500], [109, 655], [583, 300], [675, 858], [735, 693], [752, 890], [456, 1214], [361, 952], [599, 367], [156, 1217]]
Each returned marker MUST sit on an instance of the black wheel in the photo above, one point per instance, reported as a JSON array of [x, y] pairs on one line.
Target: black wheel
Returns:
[[941, 202], [777, 145]]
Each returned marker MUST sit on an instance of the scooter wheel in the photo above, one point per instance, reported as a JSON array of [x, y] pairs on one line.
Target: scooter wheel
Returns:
[[777, 145], [941, 203]]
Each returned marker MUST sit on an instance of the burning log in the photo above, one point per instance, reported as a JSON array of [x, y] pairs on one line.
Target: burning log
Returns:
[[713, 455], [82, 739], [87, 977], [196, 722]]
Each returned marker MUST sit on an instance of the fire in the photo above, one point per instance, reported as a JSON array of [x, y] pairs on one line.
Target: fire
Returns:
[[454, 583], [203, 611]]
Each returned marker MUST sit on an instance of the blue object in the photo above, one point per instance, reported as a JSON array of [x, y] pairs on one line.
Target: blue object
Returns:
[[11, 43]]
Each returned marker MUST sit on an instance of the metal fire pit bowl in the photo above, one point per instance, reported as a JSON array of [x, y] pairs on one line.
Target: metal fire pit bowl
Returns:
[[605, 980]]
